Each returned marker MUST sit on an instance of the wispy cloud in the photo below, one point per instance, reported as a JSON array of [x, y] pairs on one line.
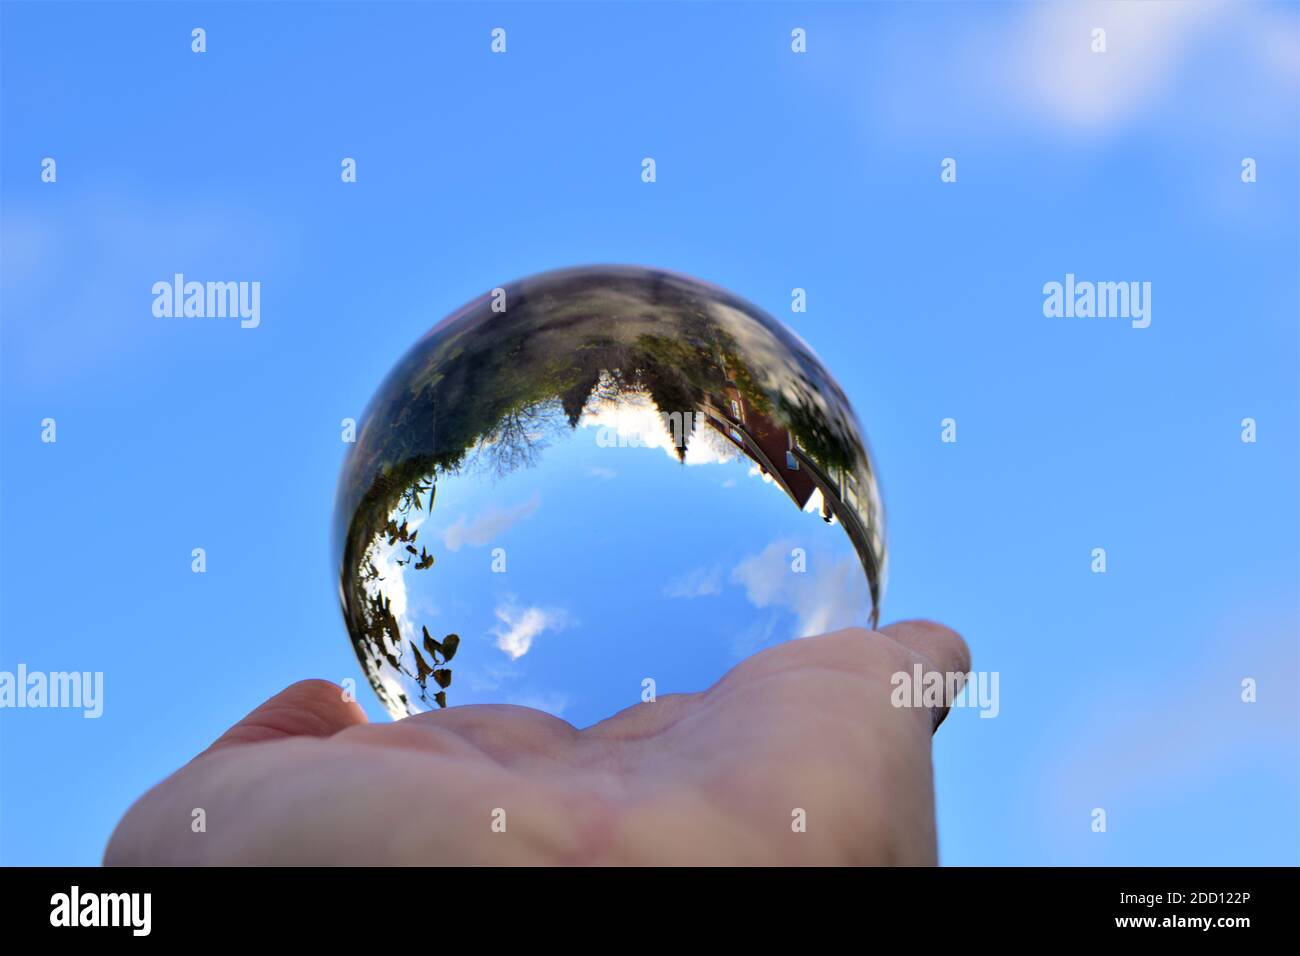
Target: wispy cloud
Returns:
[[481, 530], [1146, 45], [701, 582], [1049, 78], [550, 703], [1118, 742]]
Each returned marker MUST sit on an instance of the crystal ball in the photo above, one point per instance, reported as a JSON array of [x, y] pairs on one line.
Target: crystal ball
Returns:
[[593, 486]]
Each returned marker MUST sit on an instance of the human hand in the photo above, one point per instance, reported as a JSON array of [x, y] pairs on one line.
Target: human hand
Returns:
[[707, 778]]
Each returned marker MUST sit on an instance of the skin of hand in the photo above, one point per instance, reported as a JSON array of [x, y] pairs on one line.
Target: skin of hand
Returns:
[[713, 778]]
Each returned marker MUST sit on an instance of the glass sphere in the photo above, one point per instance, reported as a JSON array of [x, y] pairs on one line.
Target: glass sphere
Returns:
[[598, 485]]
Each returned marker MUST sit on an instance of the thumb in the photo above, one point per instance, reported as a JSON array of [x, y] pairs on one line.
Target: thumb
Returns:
[[942, 650], [309, 708]]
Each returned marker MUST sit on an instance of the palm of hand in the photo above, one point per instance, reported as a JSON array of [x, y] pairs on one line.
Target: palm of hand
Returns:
[[795, 756]]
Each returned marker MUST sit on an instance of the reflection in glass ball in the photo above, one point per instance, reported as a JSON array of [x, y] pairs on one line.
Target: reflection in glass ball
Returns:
[[597, 485]]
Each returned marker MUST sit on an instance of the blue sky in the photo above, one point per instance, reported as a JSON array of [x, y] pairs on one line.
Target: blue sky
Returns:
[[774, 170]]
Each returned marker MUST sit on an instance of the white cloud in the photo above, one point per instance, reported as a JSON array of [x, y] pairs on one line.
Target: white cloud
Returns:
[[606, 473], [483, 529], [829, 595], [635, 421], [519, 628]]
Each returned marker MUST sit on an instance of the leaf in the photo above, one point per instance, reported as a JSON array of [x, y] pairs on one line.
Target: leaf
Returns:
[[449, 645], [432, 646], [441, 698], [442, 676], [422, 670], [411, 549]]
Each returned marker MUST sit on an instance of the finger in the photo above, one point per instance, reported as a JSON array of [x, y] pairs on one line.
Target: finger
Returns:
[[309, 708], [941, 648]]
